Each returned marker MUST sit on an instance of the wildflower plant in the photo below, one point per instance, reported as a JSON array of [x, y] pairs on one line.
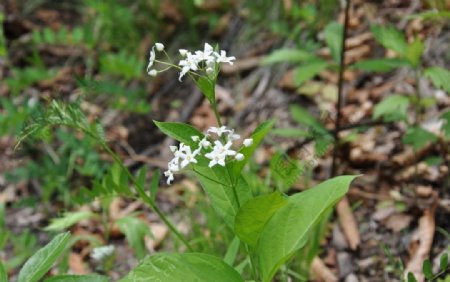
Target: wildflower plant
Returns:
[[269, 228]]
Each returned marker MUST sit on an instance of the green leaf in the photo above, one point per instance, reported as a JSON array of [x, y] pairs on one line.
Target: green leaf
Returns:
[[67, 220], [253, 216], [390, 37], [217, 185], [411, 277], [333, 37], [427, 269], [258, 135], [302, 116], [308, 71], [287, 230], [183, 267], [288, 55], [290, 132], [207, 87], [135, 230], [446, 126], [232, 251], [440, 77], [380, 65], [443, 262], [38, 265], [78, 278], [3, 274], [284, 170], [179, 131], [392, 108], [154, 184], [418, 137], [414, 51]]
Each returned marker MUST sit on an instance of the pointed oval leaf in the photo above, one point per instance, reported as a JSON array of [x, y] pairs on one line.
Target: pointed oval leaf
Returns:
[[253, 216], [42, 260], [288, 228], [427, 269], [207, 87], [440, 77], [183, 267], [67, 220], [443, 262], [179, 131], [333, 37]]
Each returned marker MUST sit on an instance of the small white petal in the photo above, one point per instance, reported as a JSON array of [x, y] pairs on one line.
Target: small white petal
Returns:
[[183, 52], [248, 142], [159, 46], [153, 73], [195, 138], [173, 148], [239, 157]]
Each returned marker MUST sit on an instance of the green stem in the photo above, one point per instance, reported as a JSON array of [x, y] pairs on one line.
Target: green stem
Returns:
[[216, 113], [146, 198]]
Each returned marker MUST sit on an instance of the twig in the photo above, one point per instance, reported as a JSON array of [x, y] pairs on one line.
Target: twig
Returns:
[[340, 89]]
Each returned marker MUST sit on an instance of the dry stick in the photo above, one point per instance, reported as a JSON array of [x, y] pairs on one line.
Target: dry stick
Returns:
[[345, 215]]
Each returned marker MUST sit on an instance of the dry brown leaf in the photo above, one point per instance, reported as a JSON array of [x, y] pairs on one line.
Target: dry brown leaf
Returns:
[[426, 229], [348, 223], [76, 264], [321, 271], [159, 232], [398, 222]]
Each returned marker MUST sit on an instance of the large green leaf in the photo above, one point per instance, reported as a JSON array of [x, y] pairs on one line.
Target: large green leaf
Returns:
[[253, 216], [287, 55], [392, 108], [179, 131], [218, 186], [390, 37], [440, 77], [333, 37], [67, 220], [78, 278], [42, 260], [287, 230], [380, 65], [188, 267], [258, 135], [308, 71]]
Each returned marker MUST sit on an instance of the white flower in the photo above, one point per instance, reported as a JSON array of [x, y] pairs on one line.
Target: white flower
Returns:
[[218, 130], [232, 136], [215, 158], [206, 54], [239, 157], [183, 52], [169, 175], [188, 64], [195, 138], [187, 156], [173, 149], [159, 46], [153, 73], [222, 57], [204, 143], [151, 60], [101, 253], [248, 142]]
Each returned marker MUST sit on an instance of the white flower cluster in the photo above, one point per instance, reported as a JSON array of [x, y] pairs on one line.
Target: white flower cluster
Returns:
[[197, 61], [103, 252], [217, 151]]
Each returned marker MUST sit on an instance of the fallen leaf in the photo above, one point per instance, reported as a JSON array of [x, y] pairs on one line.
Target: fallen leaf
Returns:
[[348, 223], [321, 271]]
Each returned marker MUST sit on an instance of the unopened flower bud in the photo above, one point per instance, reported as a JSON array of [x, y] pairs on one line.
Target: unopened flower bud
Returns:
[[153, 73], [248, 142], [159, 46], [239, 157]]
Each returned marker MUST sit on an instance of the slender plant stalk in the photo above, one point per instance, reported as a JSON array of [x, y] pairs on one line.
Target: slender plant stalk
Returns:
[[340, 90]]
